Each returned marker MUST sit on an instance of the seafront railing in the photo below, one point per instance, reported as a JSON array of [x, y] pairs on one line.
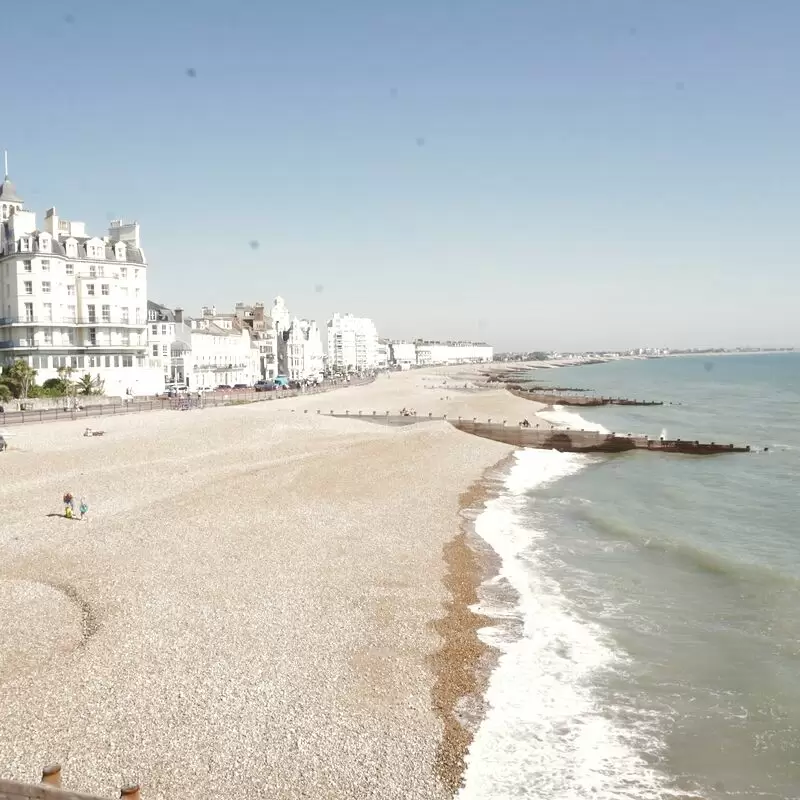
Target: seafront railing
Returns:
[[208, 400]]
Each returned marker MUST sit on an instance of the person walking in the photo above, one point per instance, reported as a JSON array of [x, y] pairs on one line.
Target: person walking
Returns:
[[83, 508]]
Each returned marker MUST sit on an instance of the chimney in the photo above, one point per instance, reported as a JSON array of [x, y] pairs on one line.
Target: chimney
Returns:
[[178, 315]]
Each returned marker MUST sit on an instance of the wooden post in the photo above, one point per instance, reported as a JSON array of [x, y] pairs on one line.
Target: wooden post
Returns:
[[130, 792], [52, 775]]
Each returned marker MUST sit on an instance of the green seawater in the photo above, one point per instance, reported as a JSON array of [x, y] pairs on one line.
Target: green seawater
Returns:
[[692, 566]]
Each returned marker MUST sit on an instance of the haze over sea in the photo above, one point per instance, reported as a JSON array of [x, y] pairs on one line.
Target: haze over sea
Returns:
[[652, 645]]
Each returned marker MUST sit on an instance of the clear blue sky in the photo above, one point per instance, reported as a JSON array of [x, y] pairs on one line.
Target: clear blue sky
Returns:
[[553, 174]]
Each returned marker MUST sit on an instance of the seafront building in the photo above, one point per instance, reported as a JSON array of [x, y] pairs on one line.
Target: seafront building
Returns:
[[352, 344], [301, 353], [435, 352], [72, 299], [161, 323], [212, 350], [263, 335], [422, 352]]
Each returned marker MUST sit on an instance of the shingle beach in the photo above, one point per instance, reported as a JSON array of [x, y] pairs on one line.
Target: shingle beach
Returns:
[[250, 610]]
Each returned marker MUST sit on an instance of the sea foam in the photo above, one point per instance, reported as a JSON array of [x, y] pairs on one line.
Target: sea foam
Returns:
[[545, 734], [562, 418]]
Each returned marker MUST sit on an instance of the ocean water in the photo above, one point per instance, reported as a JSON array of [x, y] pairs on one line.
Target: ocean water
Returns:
[[648, 605]]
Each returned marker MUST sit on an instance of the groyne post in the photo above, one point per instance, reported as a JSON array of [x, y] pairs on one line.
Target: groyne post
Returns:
[[130, 792], [51, 776]]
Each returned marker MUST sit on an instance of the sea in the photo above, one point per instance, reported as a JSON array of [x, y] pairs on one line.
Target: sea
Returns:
[[646, 611]]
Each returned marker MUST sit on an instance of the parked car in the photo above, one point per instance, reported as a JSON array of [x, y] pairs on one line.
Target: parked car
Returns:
[[203, 389], [223, 387], [240, 386], [265, 386]]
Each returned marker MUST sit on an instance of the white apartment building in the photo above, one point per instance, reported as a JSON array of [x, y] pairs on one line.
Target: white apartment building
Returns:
[[402, 353], [301, 356], [428, 352], [208, 353], [161, 323], [352, 344], [70, 299], [264, 334]]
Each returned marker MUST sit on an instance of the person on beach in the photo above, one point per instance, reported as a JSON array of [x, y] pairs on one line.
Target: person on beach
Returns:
[[69, 505], [83, 508]]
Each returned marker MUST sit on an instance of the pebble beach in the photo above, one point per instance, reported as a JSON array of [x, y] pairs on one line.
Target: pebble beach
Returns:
[[264, 601]]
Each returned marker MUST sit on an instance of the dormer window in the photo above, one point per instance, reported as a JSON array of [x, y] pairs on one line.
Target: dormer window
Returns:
[[25, 244], [44, 244]]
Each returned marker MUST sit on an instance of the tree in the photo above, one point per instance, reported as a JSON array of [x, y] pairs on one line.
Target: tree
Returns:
[[20, 378], [88, 385]]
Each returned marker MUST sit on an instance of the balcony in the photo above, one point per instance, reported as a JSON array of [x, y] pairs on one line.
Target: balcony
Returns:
[[69, 320]]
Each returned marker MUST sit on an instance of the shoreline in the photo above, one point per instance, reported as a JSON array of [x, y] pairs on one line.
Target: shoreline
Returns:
[[463, 663]]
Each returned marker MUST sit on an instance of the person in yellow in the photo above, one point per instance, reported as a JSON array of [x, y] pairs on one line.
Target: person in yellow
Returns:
[[69, 505]]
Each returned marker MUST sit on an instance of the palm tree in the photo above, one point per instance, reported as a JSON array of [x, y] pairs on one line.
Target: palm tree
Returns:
[[19, 378], [88, 385]]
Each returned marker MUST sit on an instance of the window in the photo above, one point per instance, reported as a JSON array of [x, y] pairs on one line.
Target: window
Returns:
[[137, 291], [106, 312], [165, 350], [48, 336], [116, 361], [139, 361], [28, 312], [155, 351], [163, 330], [28, 287], [151, 314], [47, 308], [90, 289], [136, 273], [46, 287], [138, 316], [101, 270], [80, 362], [108, 361], [70, 313], [123, 273], [154, 330], [125, 316], [45, 265], [92, 336], [127, 361], [92, 315], [71, 290], [27, 265], [70, 269], [24, 245], [92, 271], [44, 244], [126, 339], [104, 289], [124, 290]]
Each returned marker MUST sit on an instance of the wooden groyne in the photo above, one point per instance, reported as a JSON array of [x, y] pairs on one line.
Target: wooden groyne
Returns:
[[546, 437], [50, 787], [571, 441], [579, 400]]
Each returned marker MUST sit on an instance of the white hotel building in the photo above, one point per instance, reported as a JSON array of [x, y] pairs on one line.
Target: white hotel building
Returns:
[[69, 299]]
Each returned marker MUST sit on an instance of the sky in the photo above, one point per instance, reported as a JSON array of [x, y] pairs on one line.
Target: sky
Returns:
[[539, 175]]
